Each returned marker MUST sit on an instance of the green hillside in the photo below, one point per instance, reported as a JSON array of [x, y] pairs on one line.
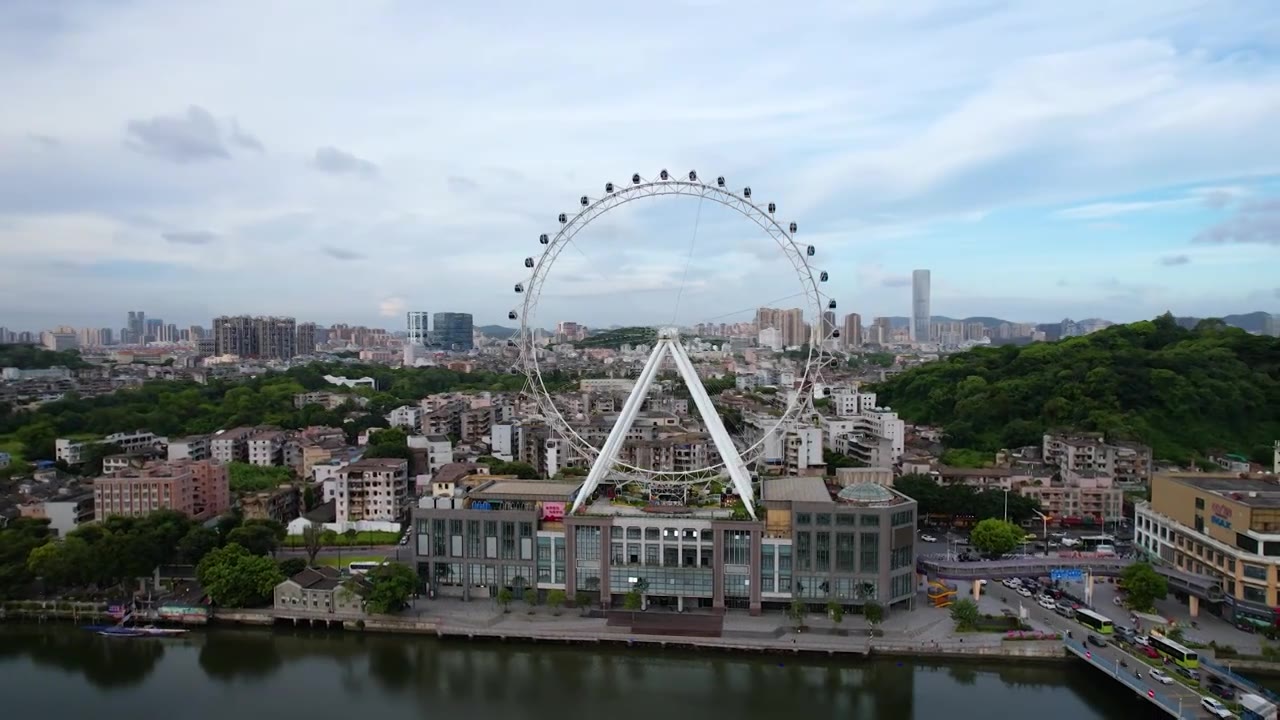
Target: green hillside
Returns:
[[1184, 392], [618, 337]]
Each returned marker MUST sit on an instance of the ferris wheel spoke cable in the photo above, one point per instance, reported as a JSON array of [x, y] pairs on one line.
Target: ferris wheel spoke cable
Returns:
[[755, 307], [697, 220]]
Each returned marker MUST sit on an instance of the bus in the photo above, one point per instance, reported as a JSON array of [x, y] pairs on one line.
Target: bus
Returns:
[[1098, 623], [1175, 652], [1091, 542], [360, 567]]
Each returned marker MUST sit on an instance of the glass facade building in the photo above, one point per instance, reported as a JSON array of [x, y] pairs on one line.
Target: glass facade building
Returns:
[[453, 331]]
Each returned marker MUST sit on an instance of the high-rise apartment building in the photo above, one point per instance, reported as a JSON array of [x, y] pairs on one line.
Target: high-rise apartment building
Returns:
[[828, 324], [920, 315], [453, 331], [269, 338], [418, 327], [789, 323], [306, 342], [853, 330]]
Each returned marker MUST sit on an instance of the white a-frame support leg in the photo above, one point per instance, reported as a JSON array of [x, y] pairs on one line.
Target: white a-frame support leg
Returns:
[[669, 344]]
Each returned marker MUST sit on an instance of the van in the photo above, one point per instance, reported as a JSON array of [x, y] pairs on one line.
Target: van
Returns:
[[1064, 610]]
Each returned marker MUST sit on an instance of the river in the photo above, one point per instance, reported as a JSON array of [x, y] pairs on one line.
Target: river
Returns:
[[59, 671]]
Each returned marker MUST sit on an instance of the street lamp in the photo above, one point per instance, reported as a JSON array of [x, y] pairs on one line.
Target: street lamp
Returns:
[[1006, 504], [1044, 536]]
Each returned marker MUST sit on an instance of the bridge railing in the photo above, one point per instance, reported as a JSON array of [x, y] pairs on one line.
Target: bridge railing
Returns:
[[1185, 709]]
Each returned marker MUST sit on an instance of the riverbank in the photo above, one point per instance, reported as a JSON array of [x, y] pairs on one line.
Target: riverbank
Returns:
[[740, 633]]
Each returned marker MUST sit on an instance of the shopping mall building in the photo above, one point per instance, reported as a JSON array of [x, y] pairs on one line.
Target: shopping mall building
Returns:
[[813, 541], [1221, 525]]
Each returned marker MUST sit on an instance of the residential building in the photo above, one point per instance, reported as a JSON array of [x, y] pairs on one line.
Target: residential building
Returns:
[[409, 416], [267, 338], [321, 591], [192, 447], [373, 489], [852, 331], [281, 504], [265, 447], [1221, 525], [196, 488], [474, 424], [803, 451], [63, 513], [232, 445], [921, 317], [71, 451], [1127, 462], [1090, 497], [438, 449], [503, 441]]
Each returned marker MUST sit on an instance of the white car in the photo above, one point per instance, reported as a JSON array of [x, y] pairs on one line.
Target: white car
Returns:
[[1161, 677], [1024, 592], [1047, 604], [928, 539], [1215, 708], [1011, 583]]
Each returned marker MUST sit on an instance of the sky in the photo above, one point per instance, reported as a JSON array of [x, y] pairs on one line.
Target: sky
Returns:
[[346, 162]]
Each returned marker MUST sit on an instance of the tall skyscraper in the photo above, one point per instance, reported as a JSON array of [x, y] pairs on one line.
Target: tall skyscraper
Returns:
[[306, 343], [920, 315], [453, 331], [417, 324], [137, 327], [852, 330]]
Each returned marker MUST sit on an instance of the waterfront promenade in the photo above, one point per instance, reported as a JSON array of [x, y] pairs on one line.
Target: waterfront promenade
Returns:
[[923, 632]]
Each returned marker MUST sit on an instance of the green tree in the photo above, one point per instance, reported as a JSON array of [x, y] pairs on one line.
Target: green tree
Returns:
[[234, 577], [62, 564], [505, 596], [556, 599], [312, 541], [964, 613], [1184, 392], [631, 601], [835, 611], [582, 600], [530, 597], [392, 586], [292, 566], [257, 539], [996, 537], [198, 542], [796, 612], [1143, 586], [873, 612], [17, 540]]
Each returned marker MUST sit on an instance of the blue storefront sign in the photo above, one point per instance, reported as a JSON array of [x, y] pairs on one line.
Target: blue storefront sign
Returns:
[[1067, 574]]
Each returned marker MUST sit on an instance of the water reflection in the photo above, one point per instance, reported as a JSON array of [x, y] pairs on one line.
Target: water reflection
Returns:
[[105, 662], [345, 674]]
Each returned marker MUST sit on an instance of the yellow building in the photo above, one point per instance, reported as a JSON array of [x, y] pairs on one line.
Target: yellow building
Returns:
[[1221, 525]]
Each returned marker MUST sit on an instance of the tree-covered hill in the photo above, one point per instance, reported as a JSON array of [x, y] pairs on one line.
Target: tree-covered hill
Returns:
[[33, 357], [618, 337], [1184, 392]]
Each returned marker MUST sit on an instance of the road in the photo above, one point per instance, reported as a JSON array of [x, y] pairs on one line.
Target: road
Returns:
[[1039, 617]]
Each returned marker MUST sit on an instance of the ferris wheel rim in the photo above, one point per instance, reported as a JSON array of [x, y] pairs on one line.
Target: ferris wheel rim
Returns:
[[668, 186]]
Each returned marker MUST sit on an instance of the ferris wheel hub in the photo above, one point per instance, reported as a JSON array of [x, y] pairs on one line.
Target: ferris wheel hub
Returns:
[[669, 333]]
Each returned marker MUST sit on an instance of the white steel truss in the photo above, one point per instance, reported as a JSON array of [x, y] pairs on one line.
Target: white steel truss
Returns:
[[668, 345]]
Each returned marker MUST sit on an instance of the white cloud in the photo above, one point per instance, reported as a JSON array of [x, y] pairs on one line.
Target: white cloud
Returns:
[[393, 307], [880, 127]]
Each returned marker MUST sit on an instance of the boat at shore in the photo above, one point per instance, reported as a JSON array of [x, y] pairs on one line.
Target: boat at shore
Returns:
[[133, 631]]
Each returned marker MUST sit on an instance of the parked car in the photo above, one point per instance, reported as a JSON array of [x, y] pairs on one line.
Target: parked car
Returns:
[[1024, 592], [1099, 642], [1225, 692], [1189, 674], [928, 539], [1148, 651], [1048, 605], [1161, 677]]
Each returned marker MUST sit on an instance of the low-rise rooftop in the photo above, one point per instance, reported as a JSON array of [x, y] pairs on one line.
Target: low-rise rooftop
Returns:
[[814, 489], [1261, 491], [525, 490]]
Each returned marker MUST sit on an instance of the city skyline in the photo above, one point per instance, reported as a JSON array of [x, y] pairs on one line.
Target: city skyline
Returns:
[[1083, 166]]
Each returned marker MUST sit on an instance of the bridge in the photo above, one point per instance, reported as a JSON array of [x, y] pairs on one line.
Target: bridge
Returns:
[[1196, 587], [1176, 699]]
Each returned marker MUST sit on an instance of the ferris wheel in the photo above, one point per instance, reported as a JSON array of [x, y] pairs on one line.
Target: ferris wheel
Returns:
[[736, 456]]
